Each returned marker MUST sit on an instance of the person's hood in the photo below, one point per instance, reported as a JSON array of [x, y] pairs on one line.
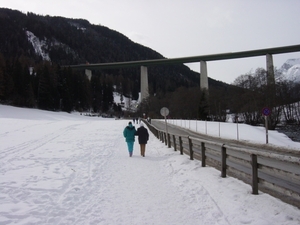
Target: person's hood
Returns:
[[130, 127]]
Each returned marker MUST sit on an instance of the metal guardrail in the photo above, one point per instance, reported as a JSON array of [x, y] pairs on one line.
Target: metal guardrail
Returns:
[[272, 173]]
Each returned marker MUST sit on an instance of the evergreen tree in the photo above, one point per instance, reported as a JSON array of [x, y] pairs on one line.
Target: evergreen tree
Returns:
[[9, 82], [28, 93], [65, 102], [96, 93], [48, 97], [203, 110], [2, 79], [82, 92], [108, 97]]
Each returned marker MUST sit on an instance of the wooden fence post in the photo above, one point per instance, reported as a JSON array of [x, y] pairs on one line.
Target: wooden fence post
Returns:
[[191, 149], [174, 143], [254, 174], [165, 138], [180, 145], [223, 165], [169, 141], [203, 157]]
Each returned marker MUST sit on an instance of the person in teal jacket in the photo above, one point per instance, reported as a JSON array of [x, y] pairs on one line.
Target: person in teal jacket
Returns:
[[129, 134]]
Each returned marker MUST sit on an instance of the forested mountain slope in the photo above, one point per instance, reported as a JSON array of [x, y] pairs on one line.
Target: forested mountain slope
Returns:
[[44, 43]]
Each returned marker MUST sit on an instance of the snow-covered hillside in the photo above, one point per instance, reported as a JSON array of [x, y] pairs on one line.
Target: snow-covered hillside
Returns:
[[42, 47], [127, 103], [38, 45]]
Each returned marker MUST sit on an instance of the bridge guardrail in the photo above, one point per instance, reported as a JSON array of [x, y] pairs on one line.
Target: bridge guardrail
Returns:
[[272, 173]]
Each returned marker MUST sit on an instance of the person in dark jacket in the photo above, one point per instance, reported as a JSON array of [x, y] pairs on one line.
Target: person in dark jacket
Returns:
[[143, 137], [129, 134]]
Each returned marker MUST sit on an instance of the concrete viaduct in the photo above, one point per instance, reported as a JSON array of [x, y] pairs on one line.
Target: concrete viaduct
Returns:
[[143, 64]]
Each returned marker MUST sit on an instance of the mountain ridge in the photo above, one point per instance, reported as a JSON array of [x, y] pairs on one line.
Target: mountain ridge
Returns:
[[44, 44], [291, 70], [67, 41]]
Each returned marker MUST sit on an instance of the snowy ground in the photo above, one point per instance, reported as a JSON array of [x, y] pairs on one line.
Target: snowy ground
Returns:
[[57, 168]]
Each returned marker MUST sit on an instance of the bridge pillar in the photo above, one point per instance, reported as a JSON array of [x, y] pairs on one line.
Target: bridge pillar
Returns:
[[271, 90], [144, 83], [203, 75], [270, 70]]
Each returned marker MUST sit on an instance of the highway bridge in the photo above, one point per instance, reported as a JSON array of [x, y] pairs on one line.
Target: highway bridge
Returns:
[[143, 64]]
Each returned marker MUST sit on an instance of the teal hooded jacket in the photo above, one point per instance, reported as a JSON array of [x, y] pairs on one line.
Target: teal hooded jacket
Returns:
[[129, 133]]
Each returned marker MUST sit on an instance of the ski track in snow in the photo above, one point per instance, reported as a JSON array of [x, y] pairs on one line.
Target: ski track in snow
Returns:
[[87, 184]]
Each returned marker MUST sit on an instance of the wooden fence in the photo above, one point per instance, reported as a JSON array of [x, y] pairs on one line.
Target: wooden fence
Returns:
[[275, 174]]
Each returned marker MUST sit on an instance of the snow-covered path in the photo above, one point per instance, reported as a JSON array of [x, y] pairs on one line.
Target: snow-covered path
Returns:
[[76, 170], [80, 173]]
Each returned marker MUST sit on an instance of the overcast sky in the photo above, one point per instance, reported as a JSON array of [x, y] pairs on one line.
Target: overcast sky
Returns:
[[181, 28]]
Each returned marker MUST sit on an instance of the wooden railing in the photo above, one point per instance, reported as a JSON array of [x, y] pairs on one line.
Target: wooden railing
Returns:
[[272, 173]]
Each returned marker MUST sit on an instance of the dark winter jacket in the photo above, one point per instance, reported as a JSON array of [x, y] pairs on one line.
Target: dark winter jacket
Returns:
[[143, 135], [129, 133]]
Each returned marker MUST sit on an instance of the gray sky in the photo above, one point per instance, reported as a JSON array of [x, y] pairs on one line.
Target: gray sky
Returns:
[[181, 28]]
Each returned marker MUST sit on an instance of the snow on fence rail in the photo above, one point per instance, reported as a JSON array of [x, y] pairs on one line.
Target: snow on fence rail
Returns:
[[272, 173]]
